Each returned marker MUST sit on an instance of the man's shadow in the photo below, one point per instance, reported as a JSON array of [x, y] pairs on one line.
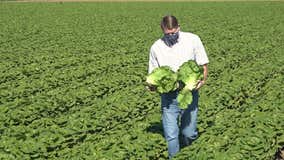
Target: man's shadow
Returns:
[[156, 127]]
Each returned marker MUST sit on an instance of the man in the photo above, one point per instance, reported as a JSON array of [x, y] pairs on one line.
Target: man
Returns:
[[173, 49]]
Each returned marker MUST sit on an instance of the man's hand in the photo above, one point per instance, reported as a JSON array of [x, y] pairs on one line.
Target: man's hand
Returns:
[[199, 84], [151, 88]]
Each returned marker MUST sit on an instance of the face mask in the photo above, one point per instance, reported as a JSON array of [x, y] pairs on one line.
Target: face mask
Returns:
[[171, 39]]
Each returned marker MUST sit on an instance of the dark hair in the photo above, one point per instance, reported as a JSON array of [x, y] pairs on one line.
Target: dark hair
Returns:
[[279, 154], [169, 22]]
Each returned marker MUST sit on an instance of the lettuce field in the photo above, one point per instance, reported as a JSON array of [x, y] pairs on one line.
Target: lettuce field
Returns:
[[72, 80]]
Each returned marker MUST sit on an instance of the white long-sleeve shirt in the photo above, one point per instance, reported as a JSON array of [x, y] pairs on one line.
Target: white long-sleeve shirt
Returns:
[[188, 47]]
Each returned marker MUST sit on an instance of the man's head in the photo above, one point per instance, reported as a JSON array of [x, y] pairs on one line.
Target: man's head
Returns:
[[169, 24], [170, 27]]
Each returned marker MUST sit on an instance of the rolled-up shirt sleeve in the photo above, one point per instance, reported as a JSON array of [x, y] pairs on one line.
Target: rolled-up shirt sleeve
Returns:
[[153, 63], [200, 53]]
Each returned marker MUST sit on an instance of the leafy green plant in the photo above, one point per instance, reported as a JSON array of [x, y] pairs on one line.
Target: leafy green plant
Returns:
[[189, 73], [71, 78], [163, 78]]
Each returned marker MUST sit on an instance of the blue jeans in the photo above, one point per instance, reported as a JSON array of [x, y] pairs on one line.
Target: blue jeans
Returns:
[[175, 119]]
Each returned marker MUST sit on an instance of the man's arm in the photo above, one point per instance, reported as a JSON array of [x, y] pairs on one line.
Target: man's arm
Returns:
[[153, 63], [201, 59], [205, 73]]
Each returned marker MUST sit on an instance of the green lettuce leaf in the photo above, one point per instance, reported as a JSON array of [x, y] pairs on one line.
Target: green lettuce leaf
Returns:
[[163, 78], [189, 73]]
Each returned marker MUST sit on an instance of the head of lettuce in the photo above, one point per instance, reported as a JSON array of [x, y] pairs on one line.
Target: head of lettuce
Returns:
[[185, 80], [163, 78]]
